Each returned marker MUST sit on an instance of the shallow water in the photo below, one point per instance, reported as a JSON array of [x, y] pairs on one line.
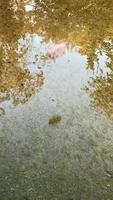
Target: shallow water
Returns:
[[71, 158]]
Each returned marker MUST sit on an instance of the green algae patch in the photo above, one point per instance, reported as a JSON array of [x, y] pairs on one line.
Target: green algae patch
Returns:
[[55, 120]]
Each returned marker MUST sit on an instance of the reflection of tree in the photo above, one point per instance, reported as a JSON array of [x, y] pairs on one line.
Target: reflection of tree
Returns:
[[10, 27], [17, 84], [83, 23], [101, 87], [14, 20], [101, 93], [87, 24], [107, 48]]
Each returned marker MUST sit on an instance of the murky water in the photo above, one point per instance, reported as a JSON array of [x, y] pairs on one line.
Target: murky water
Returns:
[[56, 116]]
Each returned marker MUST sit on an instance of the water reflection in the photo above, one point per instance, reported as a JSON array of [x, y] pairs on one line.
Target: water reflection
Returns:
[[17, 83], [55, 146], [100, 87], [85, 25], [101, 93]]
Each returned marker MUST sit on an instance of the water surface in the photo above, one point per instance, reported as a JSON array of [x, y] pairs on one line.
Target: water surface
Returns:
[[71, 159]]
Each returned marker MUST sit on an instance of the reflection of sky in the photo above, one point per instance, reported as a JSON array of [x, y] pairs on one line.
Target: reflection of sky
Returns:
[[101, 66], [30, 7], [73, 61], [68, 74], [64, 78], [33, 43], [37, 50], [37, 158]]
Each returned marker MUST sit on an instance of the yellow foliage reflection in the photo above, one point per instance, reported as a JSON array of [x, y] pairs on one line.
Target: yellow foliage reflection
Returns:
[[85, 24]]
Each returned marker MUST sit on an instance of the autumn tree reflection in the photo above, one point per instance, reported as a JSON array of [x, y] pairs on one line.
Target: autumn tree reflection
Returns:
[[101, 93], [16, 82], [100, 87], [85, 24]]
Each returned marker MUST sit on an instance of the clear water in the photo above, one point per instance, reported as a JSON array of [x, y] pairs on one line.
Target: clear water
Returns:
[[71, 159]]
